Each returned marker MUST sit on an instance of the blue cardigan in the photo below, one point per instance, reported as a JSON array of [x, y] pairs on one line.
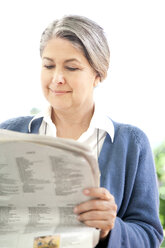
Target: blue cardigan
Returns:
[[128, 172]]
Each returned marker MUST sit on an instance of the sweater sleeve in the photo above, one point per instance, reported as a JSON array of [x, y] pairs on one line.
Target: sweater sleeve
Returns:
[[138, 225]]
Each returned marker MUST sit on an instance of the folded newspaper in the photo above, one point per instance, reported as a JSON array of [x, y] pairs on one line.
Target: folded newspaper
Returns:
[[41, 181]]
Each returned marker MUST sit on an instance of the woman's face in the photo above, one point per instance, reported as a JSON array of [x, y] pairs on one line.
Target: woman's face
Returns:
[[67, 78]]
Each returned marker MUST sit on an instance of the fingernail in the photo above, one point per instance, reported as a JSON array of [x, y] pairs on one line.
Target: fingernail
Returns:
[[86, 191], [75, 210]]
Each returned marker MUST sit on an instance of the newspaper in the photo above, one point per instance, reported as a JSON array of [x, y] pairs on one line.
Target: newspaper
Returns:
[[41, 181]]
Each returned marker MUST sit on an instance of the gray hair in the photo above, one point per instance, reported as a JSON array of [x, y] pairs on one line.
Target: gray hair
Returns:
[[84, 34]]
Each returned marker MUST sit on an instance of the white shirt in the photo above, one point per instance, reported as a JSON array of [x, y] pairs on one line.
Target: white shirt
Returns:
[[94, 136]]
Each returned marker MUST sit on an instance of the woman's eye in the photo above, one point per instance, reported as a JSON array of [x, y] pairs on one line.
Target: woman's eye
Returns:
[[71, 68], [49, 66]]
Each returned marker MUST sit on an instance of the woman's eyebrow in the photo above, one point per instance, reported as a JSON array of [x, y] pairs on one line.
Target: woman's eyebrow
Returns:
[[48, 59], [72, 60], [66, 61]]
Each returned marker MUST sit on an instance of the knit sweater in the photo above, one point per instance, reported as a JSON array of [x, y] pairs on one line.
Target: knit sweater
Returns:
[[128, 172]]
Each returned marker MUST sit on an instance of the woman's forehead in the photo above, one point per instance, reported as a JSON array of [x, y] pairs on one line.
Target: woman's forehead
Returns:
[[61, 48]]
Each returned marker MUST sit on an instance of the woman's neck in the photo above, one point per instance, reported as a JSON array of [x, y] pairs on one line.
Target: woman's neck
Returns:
[[72, 124]]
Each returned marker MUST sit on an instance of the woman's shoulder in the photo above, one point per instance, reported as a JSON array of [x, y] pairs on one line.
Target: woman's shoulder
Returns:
[[129, 133], [19, 124]]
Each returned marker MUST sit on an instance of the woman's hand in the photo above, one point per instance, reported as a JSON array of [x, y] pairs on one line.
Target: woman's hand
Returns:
[[99, 212]]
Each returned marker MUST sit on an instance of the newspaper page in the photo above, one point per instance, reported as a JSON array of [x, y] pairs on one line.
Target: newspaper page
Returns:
[[41, 181]]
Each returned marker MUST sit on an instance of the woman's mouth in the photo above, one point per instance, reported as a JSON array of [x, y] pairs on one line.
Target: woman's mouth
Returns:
[[60, 92]]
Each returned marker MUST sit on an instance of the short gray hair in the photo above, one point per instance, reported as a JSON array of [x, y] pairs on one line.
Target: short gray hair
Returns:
[[84, 34]]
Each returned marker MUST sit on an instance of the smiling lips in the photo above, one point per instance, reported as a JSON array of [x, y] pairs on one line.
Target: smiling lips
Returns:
[[60, 92]]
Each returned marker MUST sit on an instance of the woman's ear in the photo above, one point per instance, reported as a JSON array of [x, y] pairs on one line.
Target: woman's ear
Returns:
[[97, 80]]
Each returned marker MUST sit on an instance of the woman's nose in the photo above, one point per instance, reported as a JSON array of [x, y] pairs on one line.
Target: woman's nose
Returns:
[[58, 78]]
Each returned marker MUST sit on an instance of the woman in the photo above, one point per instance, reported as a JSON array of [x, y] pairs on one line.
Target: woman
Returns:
[[75, 58]]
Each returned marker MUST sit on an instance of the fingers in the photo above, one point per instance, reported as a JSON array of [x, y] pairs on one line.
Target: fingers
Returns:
[[94, 204], [103, 200], [99, 212], [103, 220], [97, 215], [101, 193], [102, 225]]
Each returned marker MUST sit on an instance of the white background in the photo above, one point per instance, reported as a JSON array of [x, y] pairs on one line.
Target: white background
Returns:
[[134, 91]]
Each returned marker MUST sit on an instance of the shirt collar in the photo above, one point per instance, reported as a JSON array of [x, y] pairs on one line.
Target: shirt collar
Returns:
[[44, 114], [102, 121], [99, 120]]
